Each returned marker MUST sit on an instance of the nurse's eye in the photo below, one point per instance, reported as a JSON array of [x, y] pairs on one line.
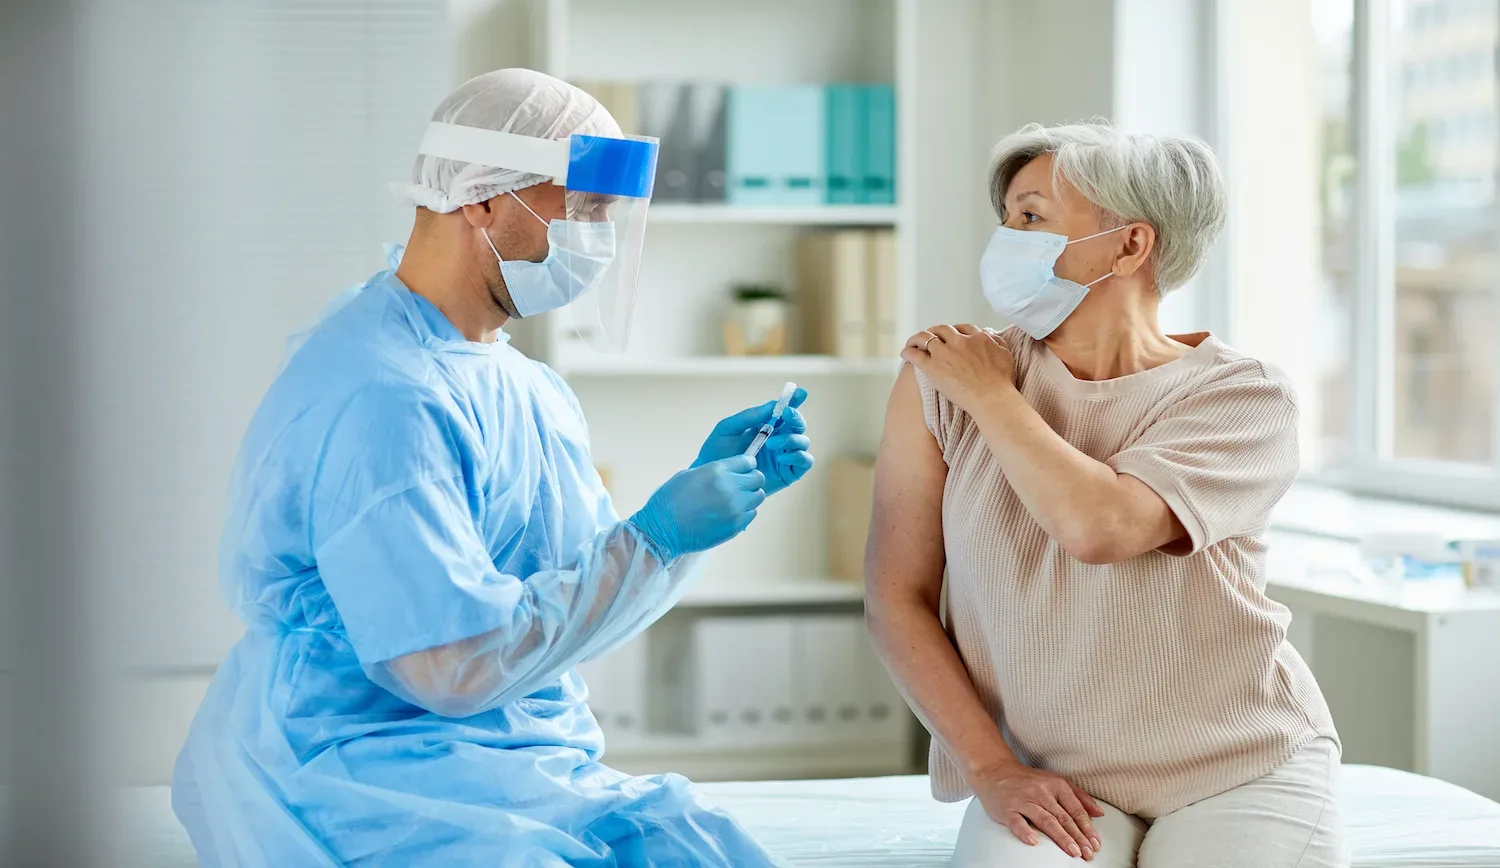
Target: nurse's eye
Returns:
[[1029, 217]]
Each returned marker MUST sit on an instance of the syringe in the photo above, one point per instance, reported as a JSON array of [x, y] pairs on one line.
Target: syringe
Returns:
[[764, 433]]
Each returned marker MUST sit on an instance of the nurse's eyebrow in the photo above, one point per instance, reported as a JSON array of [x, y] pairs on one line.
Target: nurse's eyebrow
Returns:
[[1030, 193]]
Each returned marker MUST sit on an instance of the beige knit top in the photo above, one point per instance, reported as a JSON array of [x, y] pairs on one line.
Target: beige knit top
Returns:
[[1165, 679]]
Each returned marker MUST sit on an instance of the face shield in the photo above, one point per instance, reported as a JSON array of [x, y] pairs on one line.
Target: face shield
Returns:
[[596, 250]]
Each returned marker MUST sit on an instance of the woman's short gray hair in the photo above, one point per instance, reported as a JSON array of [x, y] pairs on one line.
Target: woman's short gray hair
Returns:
[[1172, 184]]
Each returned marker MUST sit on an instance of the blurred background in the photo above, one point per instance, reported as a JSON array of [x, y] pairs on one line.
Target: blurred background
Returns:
[[186, 183]]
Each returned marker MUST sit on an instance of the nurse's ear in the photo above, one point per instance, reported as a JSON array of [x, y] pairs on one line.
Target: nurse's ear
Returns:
[[486, 214]]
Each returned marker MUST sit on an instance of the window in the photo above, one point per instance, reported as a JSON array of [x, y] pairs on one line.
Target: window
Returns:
[[1399, 390], [1446, 263]]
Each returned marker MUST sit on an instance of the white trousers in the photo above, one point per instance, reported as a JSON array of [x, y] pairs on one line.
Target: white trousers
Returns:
[[1287, 819]]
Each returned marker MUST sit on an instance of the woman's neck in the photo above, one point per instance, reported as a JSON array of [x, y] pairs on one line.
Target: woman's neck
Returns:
[[1105, 342]]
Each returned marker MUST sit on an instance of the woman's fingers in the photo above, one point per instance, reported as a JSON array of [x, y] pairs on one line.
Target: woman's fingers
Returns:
[[1047, 822], [1070, 802], [1021, 829], [919, 348], [965, 328], [1088, 803], [945, 332], [1078, 837], [922, 340]]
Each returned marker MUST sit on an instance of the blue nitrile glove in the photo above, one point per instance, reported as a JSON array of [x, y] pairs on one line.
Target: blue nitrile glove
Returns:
[[702, 506], [785, 457]]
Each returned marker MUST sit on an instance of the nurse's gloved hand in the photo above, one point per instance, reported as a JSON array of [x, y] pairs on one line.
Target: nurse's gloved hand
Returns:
[[702, 506], [784, 458]]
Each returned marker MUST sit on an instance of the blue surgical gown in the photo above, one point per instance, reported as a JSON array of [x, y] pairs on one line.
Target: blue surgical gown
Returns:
[[421, 551]]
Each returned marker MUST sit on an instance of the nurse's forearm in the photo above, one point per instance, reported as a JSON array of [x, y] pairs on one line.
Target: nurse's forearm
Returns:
[[685, 572], [561, 618], [927, 669]]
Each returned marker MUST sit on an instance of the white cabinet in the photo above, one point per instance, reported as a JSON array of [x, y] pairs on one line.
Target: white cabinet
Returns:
[[762, 695], [1411, 676]]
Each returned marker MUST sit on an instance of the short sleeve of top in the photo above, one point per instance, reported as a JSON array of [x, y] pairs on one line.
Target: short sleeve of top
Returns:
[[394, 529], [942, 416], [1221, 457]]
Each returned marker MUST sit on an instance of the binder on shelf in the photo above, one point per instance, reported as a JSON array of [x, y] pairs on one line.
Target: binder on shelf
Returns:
[[845, 148], [671, 688], [851, 490], [666, 111], [710, 134], [830, 675], [885, 340], [887, 717], [831, 292], [879, 136], [745, 680], [775, 154]]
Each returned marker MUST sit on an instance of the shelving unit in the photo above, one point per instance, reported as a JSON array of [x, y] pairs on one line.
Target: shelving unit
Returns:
[[695, 253], [830, 215], [722, 366], [649, 409], [813, 591]]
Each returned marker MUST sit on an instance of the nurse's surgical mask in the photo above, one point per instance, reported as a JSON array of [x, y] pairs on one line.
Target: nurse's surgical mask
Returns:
[[1019, 283], [578, 255]]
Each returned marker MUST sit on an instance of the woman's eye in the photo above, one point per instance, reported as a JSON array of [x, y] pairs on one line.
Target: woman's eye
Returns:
[[1028, 217]]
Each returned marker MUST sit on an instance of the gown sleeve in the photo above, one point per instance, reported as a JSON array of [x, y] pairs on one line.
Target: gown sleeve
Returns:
[[397, 544]]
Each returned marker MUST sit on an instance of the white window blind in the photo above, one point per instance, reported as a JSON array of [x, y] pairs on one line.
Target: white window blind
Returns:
[[237, 160]]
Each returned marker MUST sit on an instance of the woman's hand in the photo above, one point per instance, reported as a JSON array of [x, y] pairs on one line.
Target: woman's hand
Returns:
[[964, 362], [1024, 800]]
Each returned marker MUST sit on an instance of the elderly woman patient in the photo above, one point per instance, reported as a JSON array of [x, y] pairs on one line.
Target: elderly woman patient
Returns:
[[1108, 673]]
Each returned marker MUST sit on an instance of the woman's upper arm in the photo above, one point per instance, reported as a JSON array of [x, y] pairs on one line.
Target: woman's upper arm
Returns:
[[904, 557]]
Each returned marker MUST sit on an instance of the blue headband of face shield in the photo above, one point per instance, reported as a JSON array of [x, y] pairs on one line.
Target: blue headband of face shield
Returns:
[[589, 164]]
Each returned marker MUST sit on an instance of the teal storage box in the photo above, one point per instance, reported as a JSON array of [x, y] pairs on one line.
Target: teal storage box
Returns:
[[775, 154], [879, 185], [845, 159]]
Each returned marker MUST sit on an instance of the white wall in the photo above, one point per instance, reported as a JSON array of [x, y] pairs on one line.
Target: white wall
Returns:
[[1050, 63], [1272, 142], [954, 40], [492, 34], [1162, 85]]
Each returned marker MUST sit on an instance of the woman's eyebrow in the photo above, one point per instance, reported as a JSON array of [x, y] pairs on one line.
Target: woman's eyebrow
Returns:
[[1029, 194]]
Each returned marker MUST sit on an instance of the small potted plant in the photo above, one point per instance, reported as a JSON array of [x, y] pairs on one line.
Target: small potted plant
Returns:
[[758, 321]]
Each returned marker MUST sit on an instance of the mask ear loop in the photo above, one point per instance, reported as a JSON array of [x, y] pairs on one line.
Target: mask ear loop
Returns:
[[1089, 237], [486, 235], [1107, 274], [544, 222]]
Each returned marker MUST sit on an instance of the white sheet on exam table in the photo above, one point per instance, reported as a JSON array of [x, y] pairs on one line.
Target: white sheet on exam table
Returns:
[[1395, 820]]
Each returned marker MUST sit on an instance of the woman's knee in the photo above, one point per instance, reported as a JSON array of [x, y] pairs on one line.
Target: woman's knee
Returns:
[[983, 843], [1287, 819]]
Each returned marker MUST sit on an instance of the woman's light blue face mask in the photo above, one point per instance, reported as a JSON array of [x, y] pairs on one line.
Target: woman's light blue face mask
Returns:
[[1019, 283], [578, 255]]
